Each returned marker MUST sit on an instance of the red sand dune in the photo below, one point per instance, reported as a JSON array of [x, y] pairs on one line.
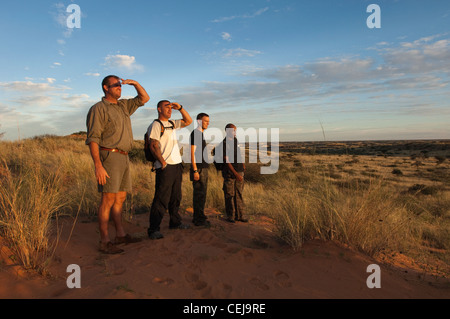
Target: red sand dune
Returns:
[[225, 261]]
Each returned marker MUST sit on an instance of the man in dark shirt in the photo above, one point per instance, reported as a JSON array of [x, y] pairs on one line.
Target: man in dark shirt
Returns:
[[233, 176], [199, 170]]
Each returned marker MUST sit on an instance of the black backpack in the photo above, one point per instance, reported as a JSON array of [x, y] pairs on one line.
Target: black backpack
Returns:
[[148, 153], [218, 158]]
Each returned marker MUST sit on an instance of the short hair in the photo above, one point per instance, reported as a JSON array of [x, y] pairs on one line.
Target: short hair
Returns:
[[106, 81], [161, 102], [229, 125], [201, 116]]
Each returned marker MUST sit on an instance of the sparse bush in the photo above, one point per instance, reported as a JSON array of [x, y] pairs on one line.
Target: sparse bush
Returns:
[[423, 189], [418, 164], [439, 159], [397, 171], [297, 163]]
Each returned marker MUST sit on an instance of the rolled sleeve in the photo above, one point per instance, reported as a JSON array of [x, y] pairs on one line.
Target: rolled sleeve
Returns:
[[94, 125], [133, 104]]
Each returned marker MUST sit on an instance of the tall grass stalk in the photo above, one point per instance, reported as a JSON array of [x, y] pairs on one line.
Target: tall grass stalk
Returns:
[[367, 218], [27, 203]]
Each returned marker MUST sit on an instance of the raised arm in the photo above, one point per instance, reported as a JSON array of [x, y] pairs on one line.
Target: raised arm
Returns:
[[142, 94], [187, 120]]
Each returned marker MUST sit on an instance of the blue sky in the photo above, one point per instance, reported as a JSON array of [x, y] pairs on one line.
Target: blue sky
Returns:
[[313, 69]]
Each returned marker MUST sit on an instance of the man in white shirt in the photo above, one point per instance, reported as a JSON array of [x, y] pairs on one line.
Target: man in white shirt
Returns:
[[169, 168]]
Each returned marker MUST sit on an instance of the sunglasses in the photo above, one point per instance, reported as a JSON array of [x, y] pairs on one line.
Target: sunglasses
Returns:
[[117, 84]]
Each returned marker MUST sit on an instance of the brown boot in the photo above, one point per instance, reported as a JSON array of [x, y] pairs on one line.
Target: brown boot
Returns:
[[109, 248], [127, 239]]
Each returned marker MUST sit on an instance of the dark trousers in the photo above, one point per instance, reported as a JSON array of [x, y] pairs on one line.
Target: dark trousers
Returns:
[[167, 197], [234, 203], [199, 196]]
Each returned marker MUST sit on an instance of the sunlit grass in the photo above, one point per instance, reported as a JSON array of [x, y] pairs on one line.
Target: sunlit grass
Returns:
[[349, 200]]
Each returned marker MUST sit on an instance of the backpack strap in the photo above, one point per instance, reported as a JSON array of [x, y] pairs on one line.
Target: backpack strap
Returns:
[[164, 128]]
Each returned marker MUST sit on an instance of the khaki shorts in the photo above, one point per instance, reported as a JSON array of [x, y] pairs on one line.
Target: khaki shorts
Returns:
[[118, 168]]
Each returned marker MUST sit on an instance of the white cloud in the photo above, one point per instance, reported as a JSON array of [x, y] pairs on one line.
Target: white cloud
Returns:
[[239, 52], [33, 100], [226, 36], [122, 61], [27, 86], [419, 56], [29, 93], [420, 69], [60, 16], [242, 16], [75, 97], [40, 107], [76, 100], [92, 74], [341, 70], [11, 122]]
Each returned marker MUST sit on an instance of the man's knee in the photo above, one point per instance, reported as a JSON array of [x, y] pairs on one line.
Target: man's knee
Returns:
[[120, 198], [108, 199], [113, 199]]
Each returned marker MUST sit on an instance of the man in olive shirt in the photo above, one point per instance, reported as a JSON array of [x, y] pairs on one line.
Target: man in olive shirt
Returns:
[[110, 138], [233, 176]]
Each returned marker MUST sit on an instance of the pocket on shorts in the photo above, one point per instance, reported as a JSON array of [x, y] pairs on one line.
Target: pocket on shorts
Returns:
[[104, 155]]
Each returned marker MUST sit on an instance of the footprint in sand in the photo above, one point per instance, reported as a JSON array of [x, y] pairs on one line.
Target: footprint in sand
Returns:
[[191, 277], [247, 255], [282, 279], [219, 244], [164, 281], [113, 268], [180, 239], [195, 281], [204, 236], [259, 283], [226, 289]]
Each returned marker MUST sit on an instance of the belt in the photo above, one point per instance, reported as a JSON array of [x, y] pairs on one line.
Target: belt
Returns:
[[114, 150]]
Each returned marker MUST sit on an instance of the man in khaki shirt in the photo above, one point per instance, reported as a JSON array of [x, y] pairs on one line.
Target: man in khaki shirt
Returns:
[[110, 138]]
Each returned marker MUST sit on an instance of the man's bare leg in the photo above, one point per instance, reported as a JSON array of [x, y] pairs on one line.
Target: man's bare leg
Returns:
[[104, 212], [116, 213]]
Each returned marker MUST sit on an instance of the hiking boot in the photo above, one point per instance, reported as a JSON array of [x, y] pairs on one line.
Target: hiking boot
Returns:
[[242, 220], [127, 239], [109, 248], [155, 235], [230, 220]]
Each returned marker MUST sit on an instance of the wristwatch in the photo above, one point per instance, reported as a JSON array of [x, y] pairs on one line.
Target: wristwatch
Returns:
[[196, 171]]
